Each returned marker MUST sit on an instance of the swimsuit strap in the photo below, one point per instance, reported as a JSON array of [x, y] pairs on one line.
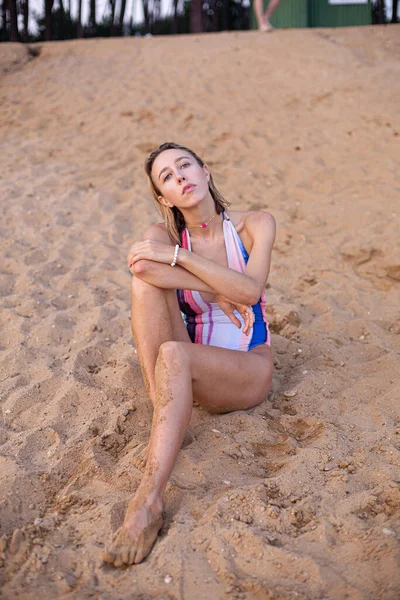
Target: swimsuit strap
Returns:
[[237, 253]]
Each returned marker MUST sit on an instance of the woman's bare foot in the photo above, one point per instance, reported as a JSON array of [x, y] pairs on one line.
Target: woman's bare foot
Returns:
[[266, 25], [135, 538]]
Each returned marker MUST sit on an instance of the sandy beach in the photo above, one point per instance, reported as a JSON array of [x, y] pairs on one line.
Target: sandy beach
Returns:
[[298, 498]]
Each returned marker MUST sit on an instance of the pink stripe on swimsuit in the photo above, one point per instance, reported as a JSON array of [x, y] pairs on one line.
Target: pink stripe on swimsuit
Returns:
[[206, 323]]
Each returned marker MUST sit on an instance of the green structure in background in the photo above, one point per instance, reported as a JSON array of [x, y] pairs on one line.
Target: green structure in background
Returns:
[[320, 13]]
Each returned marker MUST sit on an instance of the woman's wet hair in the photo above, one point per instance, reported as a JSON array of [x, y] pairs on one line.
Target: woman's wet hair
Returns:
[[173, 218]]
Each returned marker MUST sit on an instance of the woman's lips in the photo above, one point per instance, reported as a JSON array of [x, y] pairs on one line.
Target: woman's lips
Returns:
[[188, 188]]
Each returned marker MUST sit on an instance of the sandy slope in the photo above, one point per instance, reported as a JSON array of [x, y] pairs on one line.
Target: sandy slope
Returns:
[[298, 498]]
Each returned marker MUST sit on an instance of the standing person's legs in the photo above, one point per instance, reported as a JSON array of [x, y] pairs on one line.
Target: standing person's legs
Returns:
[[221, 380], [272, 5], [258, 9], [263, 18]]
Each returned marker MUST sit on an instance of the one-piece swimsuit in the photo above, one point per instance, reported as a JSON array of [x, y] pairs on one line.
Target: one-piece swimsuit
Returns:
[[205, 321]]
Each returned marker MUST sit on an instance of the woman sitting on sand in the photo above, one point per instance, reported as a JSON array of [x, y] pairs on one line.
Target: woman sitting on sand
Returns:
[[205, 262]]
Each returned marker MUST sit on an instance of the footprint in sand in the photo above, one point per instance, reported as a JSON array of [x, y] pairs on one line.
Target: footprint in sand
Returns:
[[373, 265], [7, 282], [88, 363], [303, 430], [38, 447]]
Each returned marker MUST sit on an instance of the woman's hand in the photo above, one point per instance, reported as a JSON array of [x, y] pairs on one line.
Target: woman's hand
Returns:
[[228, 307], [151, 250]]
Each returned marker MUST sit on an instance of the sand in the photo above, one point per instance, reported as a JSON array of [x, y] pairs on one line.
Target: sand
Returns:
[[296, 499]]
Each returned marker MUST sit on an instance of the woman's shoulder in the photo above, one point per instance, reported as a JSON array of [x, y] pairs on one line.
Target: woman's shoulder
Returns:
[[252, 221], [157, 232]]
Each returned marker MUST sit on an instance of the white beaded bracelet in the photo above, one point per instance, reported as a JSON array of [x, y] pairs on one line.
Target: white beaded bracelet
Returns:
[[175, 255]]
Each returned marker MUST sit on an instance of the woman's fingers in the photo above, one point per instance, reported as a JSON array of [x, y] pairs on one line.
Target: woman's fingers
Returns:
[[151, 250], [248, 318], [234, 319]]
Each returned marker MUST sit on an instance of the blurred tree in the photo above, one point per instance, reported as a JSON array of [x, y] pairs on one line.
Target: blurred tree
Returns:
[[25, 16], [394, 11], [62, 26], [380, 11], [12, 8], [196, 16], [121, 17], [92, 17], [79, 28], [175, 18], [62, 19], [225, 15], [112, 17], [56, 23], [146, 13], [48, 7], [4, 32]]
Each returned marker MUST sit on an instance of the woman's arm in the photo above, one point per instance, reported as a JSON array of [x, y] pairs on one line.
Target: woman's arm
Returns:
[[244, 287], [162, 275]]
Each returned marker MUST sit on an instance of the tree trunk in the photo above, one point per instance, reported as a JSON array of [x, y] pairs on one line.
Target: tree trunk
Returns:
[[156, 15], [12, 7], [122, 16], [394, 11], [146, 15], [196, 16], [48, 7], [175, 18], [92, 16], [79, 28], [62, 21], [25, 11], [4, 8], [112, 19], [380, 10], [225, 15]]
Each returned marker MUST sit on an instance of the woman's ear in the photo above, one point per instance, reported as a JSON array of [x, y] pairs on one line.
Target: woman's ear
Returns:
[[164, 202], [207, 172]]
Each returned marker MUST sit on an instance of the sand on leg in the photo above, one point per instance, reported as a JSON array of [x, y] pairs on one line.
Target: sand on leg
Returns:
[[155, 318]]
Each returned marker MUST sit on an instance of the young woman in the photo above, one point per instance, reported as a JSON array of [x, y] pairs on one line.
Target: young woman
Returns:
[[211, 265]]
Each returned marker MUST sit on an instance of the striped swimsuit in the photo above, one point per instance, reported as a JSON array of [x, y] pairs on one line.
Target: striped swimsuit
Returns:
[[206, 323]]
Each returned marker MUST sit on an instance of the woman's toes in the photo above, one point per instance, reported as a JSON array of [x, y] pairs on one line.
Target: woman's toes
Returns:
[[125, 557], [108, 557], [132, 555], [118, 561]]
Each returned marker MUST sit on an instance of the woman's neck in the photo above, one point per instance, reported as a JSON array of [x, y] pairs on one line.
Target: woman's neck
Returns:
[[207, 228]]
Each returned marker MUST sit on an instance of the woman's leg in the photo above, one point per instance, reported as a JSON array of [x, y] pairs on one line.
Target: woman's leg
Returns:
[[222, 381], [272, 5], [155, 319], [258, 9]]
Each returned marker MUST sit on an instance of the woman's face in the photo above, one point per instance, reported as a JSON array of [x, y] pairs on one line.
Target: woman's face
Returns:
[[179, 177]]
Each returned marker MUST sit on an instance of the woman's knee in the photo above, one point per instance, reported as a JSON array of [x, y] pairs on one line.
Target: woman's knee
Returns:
[[173, 357]]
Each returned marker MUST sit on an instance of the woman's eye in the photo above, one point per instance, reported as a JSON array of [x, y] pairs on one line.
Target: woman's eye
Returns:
[[186, 163], [165, 178]]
